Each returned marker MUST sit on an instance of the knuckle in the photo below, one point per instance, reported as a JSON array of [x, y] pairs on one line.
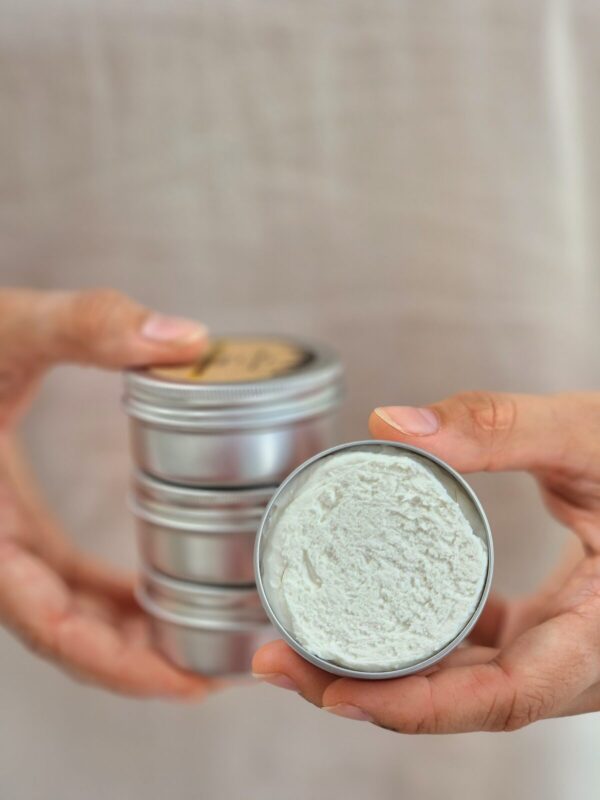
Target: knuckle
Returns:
[[490, 411], [493, 689], [529, 706], [423, 716], [492, 417], [428, 720], [522, 702], [96, 311]]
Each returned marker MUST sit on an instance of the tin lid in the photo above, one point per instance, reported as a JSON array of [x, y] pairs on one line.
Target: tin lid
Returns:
[[316, 369], [206, 510], [198, 605]]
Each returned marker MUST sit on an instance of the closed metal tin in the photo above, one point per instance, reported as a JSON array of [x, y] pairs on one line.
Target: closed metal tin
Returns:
[[205, 629], [203, 535], [458, 489], [233, 434]]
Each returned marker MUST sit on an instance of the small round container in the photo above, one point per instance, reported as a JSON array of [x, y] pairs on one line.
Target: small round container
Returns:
[[203, 535], [456, 487], [205, 629], [241, 433]]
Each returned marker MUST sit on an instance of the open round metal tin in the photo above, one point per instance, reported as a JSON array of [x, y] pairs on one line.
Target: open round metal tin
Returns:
[[457, 488]]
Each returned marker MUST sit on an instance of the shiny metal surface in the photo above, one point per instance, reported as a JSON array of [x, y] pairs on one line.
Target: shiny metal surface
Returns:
[[210, 651], [195, 534], [239, 434], [264, 455], [213, 631], [217, 557], [173, 499], [457, 488]]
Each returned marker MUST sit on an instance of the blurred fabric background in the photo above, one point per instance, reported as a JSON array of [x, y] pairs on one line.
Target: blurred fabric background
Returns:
[[417, 183]]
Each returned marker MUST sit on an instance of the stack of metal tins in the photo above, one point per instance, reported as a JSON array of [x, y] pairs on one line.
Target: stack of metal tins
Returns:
[[211, 442]]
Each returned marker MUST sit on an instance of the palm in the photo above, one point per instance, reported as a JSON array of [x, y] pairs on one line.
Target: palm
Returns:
[[70, 608], [62, 604]]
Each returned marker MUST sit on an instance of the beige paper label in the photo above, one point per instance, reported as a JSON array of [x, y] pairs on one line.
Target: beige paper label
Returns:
[[238, 360]]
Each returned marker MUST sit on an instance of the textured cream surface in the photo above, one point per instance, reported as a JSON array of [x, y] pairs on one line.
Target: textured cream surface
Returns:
[[372, 565]]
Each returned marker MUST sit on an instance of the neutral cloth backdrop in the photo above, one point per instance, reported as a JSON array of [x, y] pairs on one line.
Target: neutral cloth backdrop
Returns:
[[417, 183]]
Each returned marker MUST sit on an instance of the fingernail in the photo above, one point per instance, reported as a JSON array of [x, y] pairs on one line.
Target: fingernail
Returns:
[[349, 712], [277, 679], [160, 328], [413, 421]]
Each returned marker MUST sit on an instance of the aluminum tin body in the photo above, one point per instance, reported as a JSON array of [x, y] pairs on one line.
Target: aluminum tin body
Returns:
[[198, 534], [237, 434], [210, 630], [458, 489]]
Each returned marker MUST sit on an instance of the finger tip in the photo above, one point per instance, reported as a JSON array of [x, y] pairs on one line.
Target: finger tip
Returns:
[[168, 354], [374, 423], [188, 686], [167, 341], [381, 426], [160, 329], [271, 658]]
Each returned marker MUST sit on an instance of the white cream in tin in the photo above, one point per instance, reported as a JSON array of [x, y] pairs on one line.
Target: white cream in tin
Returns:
[[372, 565]]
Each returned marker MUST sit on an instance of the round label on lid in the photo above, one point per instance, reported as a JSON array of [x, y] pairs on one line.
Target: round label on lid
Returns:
[[239, 360]]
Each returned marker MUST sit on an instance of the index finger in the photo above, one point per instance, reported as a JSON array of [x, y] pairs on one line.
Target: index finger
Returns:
[[100, 327], [476, 431]]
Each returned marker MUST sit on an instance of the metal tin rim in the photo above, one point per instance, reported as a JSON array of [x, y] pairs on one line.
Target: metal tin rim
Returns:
[[189, 588], [323, 369], [410, 669], [198, 616], [162, 614], [219, 418], [222, 525], [203, 498], [204, 512]]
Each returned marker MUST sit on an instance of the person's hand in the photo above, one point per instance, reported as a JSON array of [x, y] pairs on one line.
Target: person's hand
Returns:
[[532, 659], [66, 607]]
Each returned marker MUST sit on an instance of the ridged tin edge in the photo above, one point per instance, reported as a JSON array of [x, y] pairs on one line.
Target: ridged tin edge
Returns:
[[411, 669], [324, 368]]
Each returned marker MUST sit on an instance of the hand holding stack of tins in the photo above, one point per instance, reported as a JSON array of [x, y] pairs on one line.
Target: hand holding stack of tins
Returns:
[[372, 559], [211, 442]]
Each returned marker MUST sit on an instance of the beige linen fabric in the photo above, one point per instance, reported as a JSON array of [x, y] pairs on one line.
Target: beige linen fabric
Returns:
[[416, 183]]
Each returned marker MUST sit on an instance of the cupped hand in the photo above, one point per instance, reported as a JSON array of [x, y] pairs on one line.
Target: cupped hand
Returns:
[[65, 606], [531, 659]]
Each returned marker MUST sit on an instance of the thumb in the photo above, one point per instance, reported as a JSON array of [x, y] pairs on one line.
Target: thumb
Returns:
[[481, 430], [101, 327]]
